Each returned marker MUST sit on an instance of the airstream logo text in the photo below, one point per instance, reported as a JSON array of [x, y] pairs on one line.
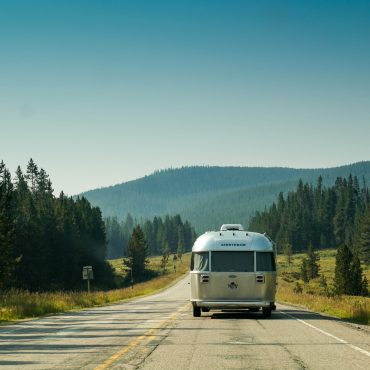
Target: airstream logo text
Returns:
[[232, 245]]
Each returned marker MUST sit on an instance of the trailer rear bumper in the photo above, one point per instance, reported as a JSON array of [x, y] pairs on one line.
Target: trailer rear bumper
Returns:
[[233, 304]]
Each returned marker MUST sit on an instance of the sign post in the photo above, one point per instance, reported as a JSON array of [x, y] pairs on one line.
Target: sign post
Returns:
[[87, 274]]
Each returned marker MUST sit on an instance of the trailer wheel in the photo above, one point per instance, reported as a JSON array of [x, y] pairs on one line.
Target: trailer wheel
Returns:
[[266, 312], [196, 311], [205, 309]]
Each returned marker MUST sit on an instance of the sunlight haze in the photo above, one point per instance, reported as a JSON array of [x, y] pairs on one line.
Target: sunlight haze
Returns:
[[101, 92]]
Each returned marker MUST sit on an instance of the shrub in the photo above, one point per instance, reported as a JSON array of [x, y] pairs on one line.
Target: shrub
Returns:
[[297, 288]]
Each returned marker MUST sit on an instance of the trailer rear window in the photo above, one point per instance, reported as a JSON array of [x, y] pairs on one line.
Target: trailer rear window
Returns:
[[199, 261], [232, 261], [265, 261]]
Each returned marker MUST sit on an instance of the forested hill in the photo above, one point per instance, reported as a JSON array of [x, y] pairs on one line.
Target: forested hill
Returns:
[[210, 196], [320, 216]]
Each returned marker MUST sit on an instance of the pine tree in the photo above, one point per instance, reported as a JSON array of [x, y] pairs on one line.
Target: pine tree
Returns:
[[326, 223], [31, 270], [65, 254], [137, 253], [42, 182], [7, 229], [304, 270], [355, 281], [149, 235], [350, 211], [20, 181], [312, 263], [31, 175], [362, 240], [340, 221], [342, 279]]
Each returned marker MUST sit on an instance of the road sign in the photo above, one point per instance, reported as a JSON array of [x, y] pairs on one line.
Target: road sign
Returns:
[[87, 273]]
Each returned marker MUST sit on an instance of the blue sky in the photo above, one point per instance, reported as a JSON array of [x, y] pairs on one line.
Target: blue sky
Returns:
[[100, 92]]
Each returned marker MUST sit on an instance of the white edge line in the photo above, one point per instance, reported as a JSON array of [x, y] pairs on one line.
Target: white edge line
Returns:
[[329, 335]]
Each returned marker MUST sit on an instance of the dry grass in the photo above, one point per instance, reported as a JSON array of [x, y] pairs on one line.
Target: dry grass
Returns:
[[316, 297], [154, 264], [16, 305]]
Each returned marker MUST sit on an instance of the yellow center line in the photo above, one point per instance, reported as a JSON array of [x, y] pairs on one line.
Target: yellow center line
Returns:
[[149, 335]]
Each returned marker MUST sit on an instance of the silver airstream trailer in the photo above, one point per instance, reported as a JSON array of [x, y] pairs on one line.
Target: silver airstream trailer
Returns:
[[232, 268]]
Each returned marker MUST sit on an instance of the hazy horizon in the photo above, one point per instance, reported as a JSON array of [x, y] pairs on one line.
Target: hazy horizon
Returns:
[[205, 165], [103, 92]]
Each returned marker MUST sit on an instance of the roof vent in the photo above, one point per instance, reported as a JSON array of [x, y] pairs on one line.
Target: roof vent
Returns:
[[232, 227]]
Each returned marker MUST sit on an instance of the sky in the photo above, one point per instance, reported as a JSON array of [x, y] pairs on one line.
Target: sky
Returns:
[[102, 92]]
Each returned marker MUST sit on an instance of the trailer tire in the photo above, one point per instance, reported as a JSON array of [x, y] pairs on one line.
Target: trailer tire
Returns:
[[266, 312], [196, 311]]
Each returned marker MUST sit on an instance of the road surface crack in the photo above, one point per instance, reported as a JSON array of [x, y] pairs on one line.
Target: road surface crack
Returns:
[[295, 358]]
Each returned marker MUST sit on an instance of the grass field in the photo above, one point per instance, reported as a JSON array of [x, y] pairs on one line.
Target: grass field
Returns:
[[315, 295], [17, 305]]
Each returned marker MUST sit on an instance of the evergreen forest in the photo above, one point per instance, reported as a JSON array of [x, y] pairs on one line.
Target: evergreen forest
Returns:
[[45, 240], [209, 196], [320, 216], [169, 233]]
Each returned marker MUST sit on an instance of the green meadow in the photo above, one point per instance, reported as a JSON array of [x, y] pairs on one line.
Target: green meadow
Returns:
[[318, 294]]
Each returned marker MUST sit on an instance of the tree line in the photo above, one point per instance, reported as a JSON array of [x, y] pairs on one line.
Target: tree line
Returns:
[[325, 217], [46, 240], [207, 196], [170, 235]]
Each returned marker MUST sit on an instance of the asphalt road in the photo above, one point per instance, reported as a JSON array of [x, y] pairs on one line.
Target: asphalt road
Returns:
[[159, 332]]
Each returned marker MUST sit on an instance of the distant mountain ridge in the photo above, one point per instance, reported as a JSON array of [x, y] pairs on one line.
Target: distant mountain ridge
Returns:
[[210, 196]]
